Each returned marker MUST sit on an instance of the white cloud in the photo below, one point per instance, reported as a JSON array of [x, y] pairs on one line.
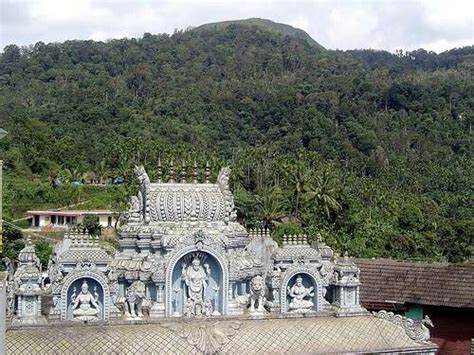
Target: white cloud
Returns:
[[60, 11]]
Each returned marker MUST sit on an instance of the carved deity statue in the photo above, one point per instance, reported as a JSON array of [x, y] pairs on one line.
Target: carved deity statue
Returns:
[[196, 279], [85, 305], [143, 193], [134, 209], [298, 292]]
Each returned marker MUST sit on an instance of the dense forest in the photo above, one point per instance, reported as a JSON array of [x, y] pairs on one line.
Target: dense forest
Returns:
[[372, 150]]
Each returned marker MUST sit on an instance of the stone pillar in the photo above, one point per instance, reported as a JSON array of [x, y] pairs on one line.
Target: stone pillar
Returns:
[[158, 309], [244, 287], [233, 308]]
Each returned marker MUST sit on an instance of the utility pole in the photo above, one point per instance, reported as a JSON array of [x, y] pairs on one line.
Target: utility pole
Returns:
[[3, 133], [3, 275]]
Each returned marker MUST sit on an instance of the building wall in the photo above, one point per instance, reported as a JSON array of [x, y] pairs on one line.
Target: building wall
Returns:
[[453, 329], [105, 220]]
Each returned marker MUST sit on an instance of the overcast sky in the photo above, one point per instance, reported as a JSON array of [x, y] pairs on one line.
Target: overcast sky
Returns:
[[345, 24]]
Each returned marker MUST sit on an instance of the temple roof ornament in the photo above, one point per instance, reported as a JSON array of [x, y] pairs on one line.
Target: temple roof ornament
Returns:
[[416, 331], [183, 201], [27, 255], [296, 247], [78, 245], [28, 270]]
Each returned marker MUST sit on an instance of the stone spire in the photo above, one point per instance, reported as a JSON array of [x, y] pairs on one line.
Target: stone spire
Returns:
[[195, 172], [207, 173], [171, 172], [27, 255], [160, 171], [183, 172]]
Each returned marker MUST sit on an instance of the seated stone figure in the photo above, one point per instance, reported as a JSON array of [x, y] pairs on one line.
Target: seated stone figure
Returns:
[[85, 305], [298, 292]]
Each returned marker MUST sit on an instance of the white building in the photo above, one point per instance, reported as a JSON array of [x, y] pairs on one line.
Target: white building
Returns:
[[65, 219]]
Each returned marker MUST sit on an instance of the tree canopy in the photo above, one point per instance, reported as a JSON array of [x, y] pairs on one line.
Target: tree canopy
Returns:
[[370, 149]]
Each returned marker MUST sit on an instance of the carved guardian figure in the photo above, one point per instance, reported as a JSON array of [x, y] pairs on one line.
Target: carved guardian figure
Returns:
[[257, 297], [135, 300]]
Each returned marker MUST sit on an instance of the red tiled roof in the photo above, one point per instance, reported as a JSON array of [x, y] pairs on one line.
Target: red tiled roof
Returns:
[[437, 284]]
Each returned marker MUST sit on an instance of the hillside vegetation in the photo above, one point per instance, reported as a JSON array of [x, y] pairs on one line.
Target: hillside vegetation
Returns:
[[279, 28], [370, 149]]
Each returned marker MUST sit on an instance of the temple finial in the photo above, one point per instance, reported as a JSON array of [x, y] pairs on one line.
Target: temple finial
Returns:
[[195, 172], [183, 172], [171, 173], [160, 171], [207, 173], [346, 256]]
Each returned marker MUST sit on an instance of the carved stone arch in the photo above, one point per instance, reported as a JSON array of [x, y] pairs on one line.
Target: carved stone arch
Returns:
[[74, 276], [181, 253], [314, 276]]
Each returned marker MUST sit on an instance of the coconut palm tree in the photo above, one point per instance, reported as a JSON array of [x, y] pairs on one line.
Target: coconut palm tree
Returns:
[[269, 207], [297, 176], [102, 171], [323, 192]]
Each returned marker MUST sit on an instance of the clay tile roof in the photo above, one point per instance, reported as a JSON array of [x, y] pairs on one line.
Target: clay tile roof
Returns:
[[437, 284]]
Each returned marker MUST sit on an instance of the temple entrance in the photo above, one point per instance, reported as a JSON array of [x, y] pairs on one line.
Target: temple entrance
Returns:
[[197, 286], [301, 294], [85, 297]]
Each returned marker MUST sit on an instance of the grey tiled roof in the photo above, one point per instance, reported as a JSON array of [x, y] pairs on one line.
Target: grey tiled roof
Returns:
[[291, 335], [437, 284]]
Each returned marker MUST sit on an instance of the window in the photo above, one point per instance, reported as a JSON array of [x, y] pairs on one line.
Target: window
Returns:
[[53, 219]]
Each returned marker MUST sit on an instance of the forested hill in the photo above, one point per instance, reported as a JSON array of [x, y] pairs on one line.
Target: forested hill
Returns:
[[372, 150], [268, 25]]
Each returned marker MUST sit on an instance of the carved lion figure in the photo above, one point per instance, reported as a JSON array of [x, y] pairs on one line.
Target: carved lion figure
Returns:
[[134, 299], [257, 297]]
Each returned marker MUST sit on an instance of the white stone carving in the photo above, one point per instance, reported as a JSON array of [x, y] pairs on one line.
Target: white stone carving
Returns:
[[84, 270], [85, 305], [134, 215], [135, 300], [299, 295], [257, 297], [417, 331], [25, 288], [144, 192], [207, 337], [195, 278]]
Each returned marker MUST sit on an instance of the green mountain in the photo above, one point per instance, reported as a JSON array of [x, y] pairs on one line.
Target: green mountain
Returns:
[[372, 150], [267, 25]]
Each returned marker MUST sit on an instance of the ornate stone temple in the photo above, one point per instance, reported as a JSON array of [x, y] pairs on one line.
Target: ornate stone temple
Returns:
[[187, 277]]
